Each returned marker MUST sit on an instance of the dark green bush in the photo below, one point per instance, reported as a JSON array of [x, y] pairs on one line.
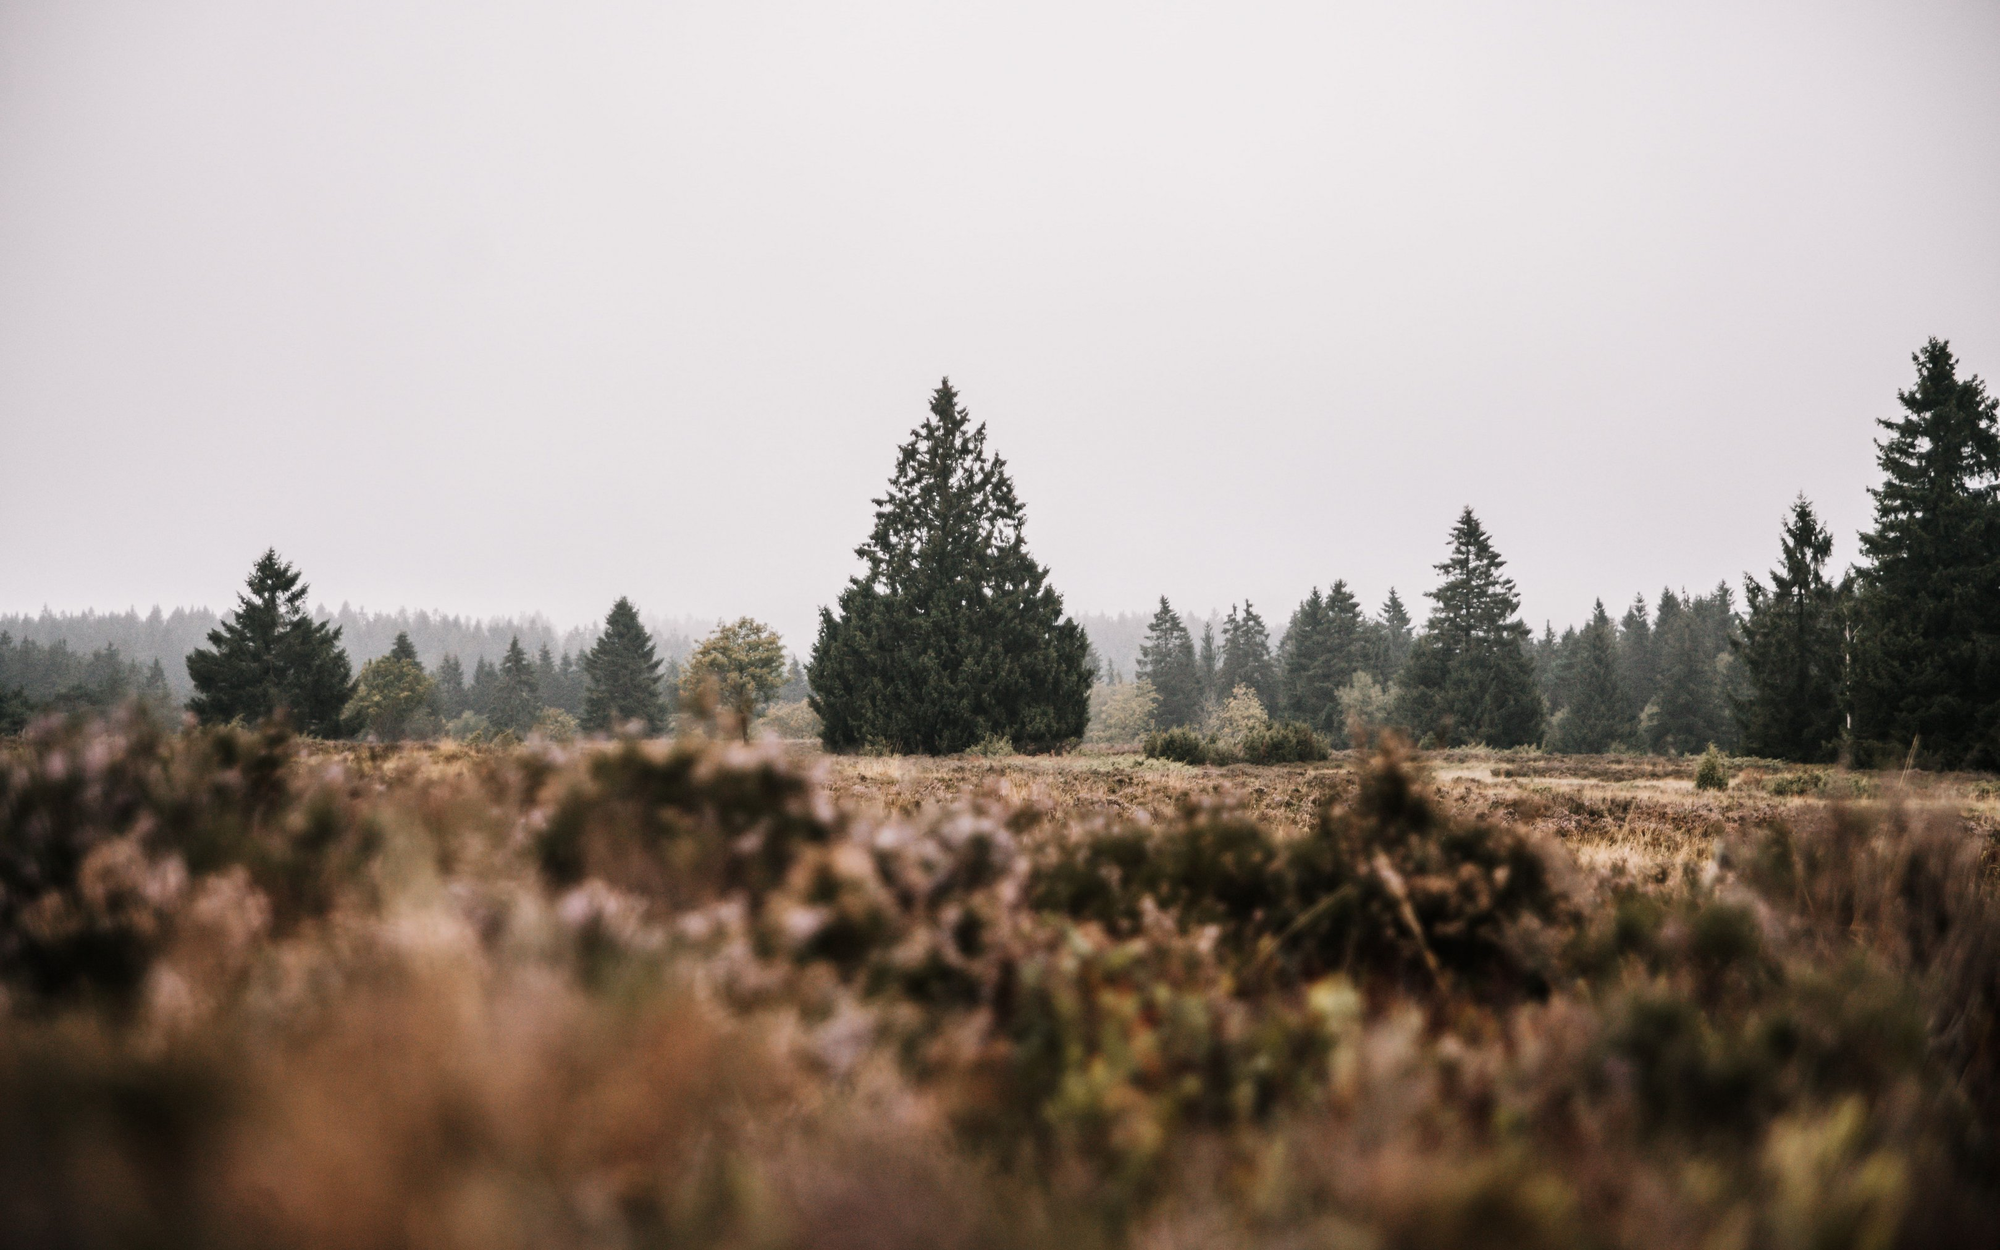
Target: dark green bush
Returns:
[[1179, 744], [1284, 742], [1711, 773]]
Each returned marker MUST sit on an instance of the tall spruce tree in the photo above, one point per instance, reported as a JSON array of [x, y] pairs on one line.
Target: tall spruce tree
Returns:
[[1167, 660], [1595, 715], [1246, 657], [517, 700], [1792, 648], [623, 675], [952, 633], [271, 655], [1927, 623], [1470, 677]]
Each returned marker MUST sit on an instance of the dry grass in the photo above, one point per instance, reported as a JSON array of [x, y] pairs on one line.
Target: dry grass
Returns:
[[266, 993]]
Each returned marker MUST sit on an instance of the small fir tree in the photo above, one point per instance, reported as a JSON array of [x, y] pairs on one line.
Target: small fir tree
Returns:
[[1594, 716], [1638, 668], [624, 675], [448, 698], [1206, 660], [1167, 663], [952, 634], [1321, 653], [517, 699], [1246, 656], [1927, 622], [270, 655], [1470, 677], [1394, 636], [1792, 649]]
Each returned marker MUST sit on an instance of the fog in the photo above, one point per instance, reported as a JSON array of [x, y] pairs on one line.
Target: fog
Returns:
[[489, 308]]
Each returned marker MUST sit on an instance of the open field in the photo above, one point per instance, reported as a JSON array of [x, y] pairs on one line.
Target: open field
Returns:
[[262, 992]]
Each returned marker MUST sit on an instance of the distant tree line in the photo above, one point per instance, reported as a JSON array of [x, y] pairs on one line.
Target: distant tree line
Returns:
[[1898, 660], [169, 636], [952, 637], [37, 679], [271, 656]]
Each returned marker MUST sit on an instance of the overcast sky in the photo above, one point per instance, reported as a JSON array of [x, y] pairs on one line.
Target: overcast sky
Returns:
[[491, 307]]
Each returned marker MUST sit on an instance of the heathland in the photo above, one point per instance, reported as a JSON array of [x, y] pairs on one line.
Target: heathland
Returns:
[[265, 991]]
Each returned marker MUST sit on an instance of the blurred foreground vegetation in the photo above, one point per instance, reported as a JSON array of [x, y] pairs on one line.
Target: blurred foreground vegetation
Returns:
[[265, 992]]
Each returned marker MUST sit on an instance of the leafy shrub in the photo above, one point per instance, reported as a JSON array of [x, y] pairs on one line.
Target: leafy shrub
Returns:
[[1121, 713], [992, 746], [1284, 742], [1236, 718], [1711, 773], [1179, 744], [556, 725]]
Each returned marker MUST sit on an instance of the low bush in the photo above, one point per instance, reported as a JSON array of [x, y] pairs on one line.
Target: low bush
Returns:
[[1179, 744], [1791, 785], [1711, 773], [1284, 742]]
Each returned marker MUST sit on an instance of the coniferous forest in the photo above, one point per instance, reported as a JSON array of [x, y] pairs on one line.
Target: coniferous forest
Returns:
[[952, 635]]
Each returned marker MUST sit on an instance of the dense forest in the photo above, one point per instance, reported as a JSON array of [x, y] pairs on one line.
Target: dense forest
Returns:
[[953, 638]]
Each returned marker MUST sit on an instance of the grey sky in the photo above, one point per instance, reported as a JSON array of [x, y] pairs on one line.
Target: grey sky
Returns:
[[488, 307]]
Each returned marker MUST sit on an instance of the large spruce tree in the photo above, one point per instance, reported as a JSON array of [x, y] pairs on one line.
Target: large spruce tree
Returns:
[[623, 675], [1927, 627], [271, 656], [951, 634], [1167, 660], [1792, 648], [1469, 677]]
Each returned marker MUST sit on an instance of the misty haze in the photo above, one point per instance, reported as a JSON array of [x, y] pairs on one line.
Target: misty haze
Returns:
[[999, 626]]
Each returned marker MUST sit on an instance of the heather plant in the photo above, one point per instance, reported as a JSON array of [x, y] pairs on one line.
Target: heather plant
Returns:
[[261, 990]]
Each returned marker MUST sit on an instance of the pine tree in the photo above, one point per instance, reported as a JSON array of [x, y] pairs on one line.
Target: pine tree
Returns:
[[1246, 656], [484, 691], [271, 656], [448, 696], [546, 674], [624, 675], [1595, 716], [1792, 649], [1206, 661], [1470, 677], [1321, 654], [1167, 660], [1688, 712], [1638, 667], [1394, 637], [1927, 621], [405, 650], [952, 634], [517, 699]]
